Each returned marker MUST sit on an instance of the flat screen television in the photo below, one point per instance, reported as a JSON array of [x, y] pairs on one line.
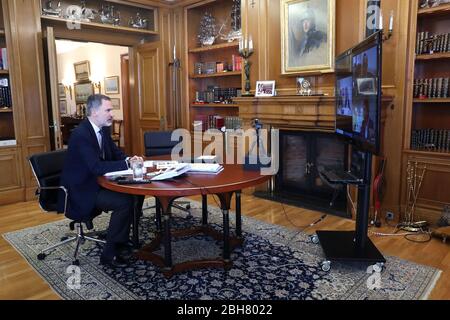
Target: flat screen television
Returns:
[[358, 94]]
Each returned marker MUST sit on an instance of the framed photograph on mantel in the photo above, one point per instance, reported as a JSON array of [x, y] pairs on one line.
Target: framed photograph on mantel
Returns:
[[265, 88], [82, 70], [307, 36]]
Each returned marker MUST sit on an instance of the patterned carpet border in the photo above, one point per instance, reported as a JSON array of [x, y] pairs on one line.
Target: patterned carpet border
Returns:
[[274, 263]]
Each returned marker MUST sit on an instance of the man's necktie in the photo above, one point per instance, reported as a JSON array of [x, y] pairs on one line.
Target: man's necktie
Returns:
[[101, 142]]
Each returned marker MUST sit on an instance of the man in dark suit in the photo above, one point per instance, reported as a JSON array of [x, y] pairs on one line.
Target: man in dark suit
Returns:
[[92, 153]]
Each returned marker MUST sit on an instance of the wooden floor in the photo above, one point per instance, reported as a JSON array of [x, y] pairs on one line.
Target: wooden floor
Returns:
[[19, 281]]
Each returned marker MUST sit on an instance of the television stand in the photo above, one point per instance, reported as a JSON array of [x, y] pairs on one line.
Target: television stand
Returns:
[[352, 246]]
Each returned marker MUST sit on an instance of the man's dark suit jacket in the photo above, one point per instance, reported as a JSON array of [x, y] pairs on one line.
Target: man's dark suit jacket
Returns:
[[83, 165]]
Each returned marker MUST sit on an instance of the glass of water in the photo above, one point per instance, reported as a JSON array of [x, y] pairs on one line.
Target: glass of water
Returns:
[[137, 165]]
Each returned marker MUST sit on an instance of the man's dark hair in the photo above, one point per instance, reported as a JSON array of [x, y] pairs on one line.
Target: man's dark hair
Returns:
[[94, 102]]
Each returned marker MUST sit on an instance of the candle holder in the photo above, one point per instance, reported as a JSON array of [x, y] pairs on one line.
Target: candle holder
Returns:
[[245, 51]]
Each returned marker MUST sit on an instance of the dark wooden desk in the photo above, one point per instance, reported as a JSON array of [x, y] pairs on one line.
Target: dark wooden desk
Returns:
[[231, 180], [68, 124]]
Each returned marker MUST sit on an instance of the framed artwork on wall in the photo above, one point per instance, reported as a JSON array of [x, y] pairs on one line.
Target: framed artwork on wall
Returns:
[[82, 70], [115, 103], [307, 36], [83, 91], [63, 107], [112, 85], [61, 91]]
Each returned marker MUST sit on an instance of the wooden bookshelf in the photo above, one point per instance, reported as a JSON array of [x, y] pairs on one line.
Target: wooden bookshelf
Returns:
[[433, 56], [214, 47], [94, 25], [427, 153], [5, 110], [214, 105], [215, 75], [432, 100], [441, 9]]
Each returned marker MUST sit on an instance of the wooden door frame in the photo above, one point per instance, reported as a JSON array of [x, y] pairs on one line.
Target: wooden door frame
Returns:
[[125, 84]]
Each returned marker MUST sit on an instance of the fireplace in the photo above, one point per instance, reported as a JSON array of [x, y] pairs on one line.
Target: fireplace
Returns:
[[307, 143], [303, 155]]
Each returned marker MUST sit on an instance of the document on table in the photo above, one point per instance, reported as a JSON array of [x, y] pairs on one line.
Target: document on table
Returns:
[[118, 173]]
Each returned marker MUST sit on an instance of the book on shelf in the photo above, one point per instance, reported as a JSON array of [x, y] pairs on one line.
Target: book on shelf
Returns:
[[4, 65]]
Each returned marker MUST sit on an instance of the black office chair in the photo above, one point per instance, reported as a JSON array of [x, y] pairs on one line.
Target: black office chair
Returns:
[[47, 168], [158, 143]]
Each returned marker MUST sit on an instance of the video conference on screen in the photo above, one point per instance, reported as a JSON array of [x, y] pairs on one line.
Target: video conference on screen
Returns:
[[357, 96]]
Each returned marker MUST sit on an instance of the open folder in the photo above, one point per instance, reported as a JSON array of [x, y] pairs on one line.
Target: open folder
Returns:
[[172, 172]]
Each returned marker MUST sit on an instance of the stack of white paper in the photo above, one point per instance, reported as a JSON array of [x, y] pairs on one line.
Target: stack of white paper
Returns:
[[211, 168], [172, 172], [119, 173]]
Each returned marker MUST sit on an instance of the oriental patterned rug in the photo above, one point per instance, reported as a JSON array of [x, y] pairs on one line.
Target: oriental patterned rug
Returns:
[[273, 263]]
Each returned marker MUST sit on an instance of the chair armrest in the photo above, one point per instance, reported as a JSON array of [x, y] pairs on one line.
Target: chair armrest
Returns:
[[66, 193]]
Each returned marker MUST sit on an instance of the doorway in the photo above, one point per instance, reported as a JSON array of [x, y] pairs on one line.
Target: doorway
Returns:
[[82, 69]]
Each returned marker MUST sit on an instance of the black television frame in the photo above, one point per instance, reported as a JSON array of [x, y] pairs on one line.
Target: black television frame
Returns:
[[375, 40]]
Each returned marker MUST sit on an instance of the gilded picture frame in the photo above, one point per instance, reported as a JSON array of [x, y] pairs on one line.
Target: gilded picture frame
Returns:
[[82, 70], [115, 102], [111, 85], [307, 36], [83, 91]]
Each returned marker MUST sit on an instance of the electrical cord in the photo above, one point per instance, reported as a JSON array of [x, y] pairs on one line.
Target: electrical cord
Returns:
[[406, 235], [301, 228]]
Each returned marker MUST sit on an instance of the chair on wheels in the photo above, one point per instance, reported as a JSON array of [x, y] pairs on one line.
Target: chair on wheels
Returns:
[[116, 131], [47, 168], [159, 143]]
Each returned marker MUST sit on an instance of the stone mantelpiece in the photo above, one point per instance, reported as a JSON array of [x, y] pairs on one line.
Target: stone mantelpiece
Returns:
[[312, 113]]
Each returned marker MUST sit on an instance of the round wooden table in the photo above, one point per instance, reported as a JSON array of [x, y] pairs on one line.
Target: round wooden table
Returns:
[[231, 180]]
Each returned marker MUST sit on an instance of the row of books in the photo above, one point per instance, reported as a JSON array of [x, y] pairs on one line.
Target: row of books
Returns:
[[213, 67], [5, 97], [4, 65], [427, 43], [214, 121], [437, 140], [214, 94], [431, 88]]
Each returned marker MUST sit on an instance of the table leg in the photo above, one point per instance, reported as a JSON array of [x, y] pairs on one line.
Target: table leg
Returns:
[[204, 209], [158, 215], [226, 235], [238, 215], [136, 217], [167, 241]]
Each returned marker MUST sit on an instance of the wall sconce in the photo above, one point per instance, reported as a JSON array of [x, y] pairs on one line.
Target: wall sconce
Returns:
[[97, 85], [68, 89], [388, 35]]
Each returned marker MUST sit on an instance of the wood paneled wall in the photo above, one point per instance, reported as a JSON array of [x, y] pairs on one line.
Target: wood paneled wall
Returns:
[[261, 19], [24, 43]]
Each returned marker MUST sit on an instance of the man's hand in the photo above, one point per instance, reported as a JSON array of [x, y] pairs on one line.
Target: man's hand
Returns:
[[134, 158]]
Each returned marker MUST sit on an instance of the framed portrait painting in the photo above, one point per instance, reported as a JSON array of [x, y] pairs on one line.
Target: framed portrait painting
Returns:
[[307, 36]]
